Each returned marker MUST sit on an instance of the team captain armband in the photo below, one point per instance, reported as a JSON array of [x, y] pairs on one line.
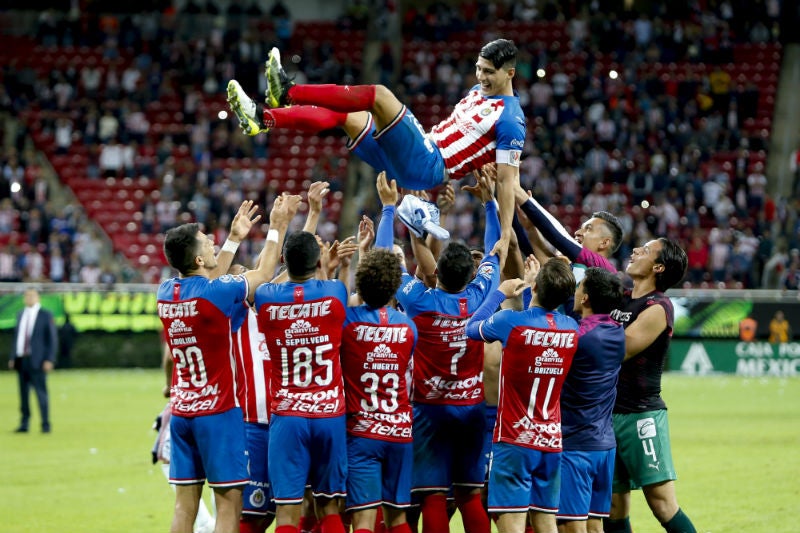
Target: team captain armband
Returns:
[[509, 157]]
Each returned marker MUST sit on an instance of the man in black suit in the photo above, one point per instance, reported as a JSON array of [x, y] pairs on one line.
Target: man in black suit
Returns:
[[33, 354]]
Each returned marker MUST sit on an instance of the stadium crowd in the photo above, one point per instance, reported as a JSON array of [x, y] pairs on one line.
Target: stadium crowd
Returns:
[[596, 140]]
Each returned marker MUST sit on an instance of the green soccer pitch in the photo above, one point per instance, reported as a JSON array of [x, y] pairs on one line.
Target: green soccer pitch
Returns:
[[735, 443]]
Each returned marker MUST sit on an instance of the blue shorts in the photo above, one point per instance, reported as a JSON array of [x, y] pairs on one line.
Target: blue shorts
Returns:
[[403, 151], [208, 447], [488, 436], [448, 446], [586, 479], [307, 450], [378, 472], [522, 479], [257, 496]]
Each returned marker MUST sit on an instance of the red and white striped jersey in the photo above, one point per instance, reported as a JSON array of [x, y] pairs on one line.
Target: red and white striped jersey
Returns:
[[480, 130], [254, 367]]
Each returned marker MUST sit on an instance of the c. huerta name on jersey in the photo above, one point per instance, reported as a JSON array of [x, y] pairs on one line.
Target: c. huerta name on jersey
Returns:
[[178, 310], [381, 366], [549, 339], [304, 310], [381, 333]]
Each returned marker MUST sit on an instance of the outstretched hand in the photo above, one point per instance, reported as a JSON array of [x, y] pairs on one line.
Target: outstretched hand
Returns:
[[387, 190], [446, 199], [346, 250], [532, 267], [366, 233], [512, 287], [483, 189], [316, 192], [243, 221]]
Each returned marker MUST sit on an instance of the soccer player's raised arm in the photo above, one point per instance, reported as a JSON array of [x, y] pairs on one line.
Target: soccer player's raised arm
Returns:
[[550, 228], [387, 192], [241, 225], [283, 210], [316, 192]]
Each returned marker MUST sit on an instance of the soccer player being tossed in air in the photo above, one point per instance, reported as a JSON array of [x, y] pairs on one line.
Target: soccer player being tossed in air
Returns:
[[486, 126], [538, 347], [206, 428], [302, 321]]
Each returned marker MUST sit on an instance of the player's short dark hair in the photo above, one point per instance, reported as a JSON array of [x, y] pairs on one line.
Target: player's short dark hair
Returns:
[[180, 247], [501, 53], [614, 227], [378, 277], [301, 253], [674, 259], [455, 267], [603, 288], [555, 283]]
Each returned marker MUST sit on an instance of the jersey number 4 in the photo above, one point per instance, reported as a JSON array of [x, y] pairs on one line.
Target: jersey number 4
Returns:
[[300, 369]]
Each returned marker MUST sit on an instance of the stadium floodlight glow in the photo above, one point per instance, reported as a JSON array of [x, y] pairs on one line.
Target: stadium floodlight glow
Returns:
[[222, 114], [613, 74], [16, 187], [540, 72], [645, 204]]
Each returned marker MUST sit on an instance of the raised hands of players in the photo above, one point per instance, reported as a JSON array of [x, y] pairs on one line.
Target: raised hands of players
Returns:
[[483, 189], [512, 287], [366, 234], [387, 189], [531, 270], [346, 250], [243, 221], [284, 209], [446, 199], [316, 193], [488, 171]]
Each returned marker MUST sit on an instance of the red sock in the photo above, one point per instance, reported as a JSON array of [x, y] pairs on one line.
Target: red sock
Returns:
[[472, 513], [380, 527], [287, 529], [307, 523], [434, 514], [343, 98], [362, 531], [252, 524], [402, 528], [528, 529], [305, 118], [331, 523]]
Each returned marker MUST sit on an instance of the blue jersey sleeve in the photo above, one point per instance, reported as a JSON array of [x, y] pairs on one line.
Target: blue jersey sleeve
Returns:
[[492, 232], [551, 229], [510, 132], [228, 293], [497, 327], [487, 278], [487, 308], [384, 236], [410, 294]]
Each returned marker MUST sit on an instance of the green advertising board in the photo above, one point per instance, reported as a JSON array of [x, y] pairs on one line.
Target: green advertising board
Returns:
[[748, 359], [110, 311]]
